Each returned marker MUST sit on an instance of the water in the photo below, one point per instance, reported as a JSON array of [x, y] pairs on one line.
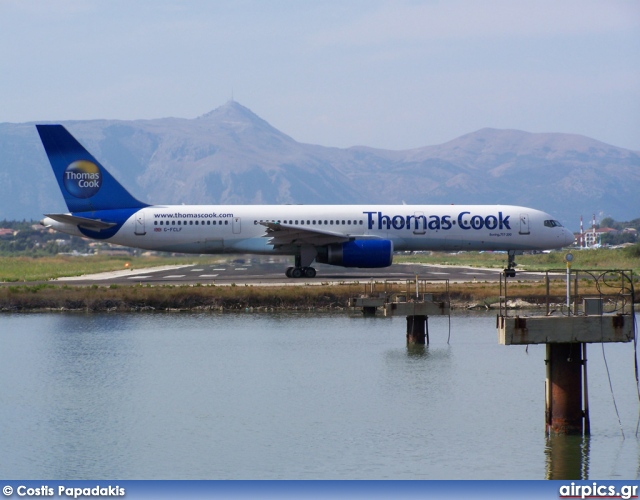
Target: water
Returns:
[[293, 396]]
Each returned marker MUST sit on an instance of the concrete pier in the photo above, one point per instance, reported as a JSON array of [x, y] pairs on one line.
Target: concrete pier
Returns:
[[566, 338], [409, 299]]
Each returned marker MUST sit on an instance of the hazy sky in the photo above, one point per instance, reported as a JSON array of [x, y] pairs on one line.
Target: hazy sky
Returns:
[[387, 74]]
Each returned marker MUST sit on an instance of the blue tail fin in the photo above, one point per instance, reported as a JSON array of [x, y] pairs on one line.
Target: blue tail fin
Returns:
[[85, 183]]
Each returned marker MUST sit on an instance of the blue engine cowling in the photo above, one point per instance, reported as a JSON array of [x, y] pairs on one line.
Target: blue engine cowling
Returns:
[[358, 253]]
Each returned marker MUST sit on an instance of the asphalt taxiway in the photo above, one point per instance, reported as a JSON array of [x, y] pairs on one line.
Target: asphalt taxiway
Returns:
[[272, 273]]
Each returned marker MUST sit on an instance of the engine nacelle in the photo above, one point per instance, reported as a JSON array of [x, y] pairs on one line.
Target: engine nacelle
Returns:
[[358, 253]]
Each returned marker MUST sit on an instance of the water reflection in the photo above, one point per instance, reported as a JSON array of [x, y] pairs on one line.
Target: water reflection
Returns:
[[87, 378], [417, 350], [567, 457]]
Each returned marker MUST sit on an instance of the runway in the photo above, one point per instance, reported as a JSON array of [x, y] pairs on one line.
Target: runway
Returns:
[[255, 272]]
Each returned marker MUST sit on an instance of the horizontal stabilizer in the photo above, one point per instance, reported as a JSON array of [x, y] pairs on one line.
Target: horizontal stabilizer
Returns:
[[84, 222]]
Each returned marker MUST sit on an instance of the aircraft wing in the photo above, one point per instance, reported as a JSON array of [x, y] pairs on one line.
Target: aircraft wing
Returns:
[[84, 222], [287, 234]]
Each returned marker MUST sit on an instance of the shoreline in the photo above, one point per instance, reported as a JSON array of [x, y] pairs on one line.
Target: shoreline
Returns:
[[49, 297]]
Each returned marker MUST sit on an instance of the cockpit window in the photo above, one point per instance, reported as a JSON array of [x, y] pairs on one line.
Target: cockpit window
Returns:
[[552, 223]]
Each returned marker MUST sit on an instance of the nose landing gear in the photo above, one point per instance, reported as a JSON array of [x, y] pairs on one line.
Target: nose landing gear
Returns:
[[510, 271]]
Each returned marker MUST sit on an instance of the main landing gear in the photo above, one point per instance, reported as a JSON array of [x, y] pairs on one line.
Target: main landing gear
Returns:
[[302, 269], [510, 271], [300, 272]]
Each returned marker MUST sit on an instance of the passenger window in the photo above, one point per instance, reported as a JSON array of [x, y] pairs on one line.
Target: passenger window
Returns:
[[226, 223], [173, 223]]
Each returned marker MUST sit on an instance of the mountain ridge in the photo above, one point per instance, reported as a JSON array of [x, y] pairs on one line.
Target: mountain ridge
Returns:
[[229, 155]]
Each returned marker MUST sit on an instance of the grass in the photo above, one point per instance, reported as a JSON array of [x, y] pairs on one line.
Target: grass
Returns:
[[238, 298], [138, 297], [14, 269], [583, 259]]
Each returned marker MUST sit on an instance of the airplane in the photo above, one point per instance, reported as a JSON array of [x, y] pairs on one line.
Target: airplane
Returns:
[[362, 236]]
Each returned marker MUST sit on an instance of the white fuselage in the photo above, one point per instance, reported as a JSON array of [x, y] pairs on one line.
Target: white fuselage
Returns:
[[241, 228]]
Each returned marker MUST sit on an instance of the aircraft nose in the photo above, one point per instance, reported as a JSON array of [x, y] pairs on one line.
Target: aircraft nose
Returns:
[[569, 238]]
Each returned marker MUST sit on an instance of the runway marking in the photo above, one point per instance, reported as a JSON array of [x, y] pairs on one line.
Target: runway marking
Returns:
[[125, 272], [138, 277], [208, 275], [240, 269], [196, 270], [438, 273], [175, 276], [219, 269]]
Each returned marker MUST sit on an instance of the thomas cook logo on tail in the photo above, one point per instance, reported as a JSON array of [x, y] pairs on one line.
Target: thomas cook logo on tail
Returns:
[[82, 179]]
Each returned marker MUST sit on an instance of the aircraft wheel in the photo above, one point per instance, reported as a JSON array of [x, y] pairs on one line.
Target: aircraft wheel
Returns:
[[297, 272], [510, 273], [288, 272], [309, 272]]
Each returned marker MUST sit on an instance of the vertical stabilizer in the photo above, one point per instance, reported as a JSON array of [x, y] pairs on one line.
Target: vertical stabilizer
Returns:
[[85, 184]]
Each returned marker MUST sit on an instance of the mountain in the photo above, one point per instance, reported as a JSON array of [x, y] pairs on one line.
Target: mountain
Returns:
[[231, 156]]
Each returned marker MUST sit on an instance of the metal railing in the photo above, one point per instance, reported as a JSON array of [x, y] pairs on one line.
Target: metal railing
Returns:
[[613, 287]]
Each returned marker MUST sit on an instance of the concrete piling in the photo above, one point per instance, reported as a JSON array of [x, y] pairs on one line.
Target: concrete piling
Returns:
[[417, 331], [564, 388]]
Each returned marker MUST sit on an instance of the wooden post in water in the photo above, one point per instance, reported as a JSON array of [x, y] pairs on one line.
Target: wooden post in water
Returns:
[[416, 329], [564, 414]]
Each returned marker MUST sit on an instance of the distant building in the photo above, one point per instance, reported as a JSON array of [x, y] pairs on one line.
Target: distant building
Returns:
[[592, 237]]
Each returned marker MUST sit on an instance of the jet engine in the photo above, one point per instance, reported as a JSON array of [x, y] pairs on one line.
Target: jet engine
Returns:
[[357, 253]]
